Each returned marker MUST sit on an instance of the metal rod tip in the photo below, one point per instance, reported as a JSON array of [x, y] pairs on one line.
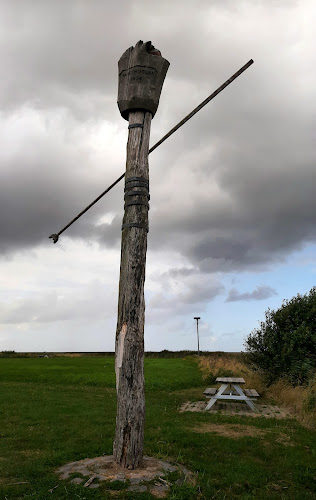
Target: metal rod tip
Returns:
[[54, 237]]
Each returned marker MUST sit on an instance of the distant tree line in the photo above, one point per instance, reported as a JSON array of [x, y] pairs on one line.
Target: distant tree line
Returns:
[[148, 354], [285, 344]]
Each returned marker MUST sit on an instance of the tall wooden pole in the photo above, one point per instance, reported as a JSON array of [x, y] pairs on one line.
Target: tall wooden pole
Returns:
[[129, 362], [141, 74]]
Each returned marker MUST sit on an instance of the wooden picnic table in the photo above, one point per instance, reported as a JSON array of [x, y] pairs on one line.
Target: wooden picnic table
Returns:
[[231, 390]]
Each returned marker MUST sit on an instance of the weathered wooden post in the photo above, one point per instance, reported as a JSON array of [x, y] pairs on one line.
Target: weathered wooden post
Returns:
[[142, 71]]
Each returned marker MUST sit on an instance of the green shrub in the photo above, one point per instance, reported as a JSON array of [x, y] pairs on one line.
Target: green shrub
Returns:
[[7, 354], [285, 344], [311, 398]]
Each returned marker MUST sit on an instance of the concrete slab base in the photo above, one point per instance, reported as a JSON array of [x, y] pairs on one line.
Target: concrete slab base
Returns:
[[153, 477], [267, 411]]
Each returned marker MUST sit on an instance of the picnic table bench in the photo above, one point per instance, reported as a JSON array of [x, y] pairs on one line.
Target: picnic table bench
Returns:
[[231, 390], [251, 392]]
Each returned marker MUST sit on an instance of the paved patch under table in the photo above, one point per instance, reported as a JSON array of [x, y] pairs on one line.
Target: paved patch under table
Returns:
[[268, 411]]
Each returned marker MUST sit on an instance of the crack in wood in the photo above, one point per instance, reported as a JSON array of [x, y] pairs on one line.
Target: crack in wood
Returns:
[[120, 352]]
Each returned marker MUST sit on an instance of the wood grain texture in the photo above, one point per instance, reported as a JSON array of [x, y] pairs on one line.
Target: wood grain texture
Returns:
[[210, 391], [142, 71], [251, 392], [129, 348], [230, 380]]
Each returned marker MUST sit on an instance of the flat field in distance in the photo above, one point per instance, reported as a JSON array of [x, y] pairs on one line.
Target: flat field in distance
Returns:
[[59, 410]]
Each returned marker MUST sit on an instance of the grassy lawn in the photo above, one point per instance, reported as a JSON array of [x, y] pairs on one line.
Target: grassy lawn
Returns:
[[59, 410]]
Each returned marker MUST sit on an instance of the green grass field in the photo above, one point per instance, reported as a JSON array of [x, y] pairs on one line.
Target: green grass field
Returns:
[[59, 410]]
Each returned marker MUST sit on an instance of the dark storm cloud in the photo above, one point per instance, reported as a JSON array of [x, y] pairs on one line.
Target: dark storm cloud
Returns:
[[107, 234], [260, 293], [62, 53], [233, 189], [66, 55], [261, 167], [266, 210], [47, 178]]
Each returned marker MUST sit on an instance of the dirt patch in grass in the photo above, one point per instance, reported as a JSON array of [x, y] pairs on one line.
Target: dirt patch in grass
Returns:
[[189, 393], [285, 440], [234, 431], [69, 355], [31, 453]]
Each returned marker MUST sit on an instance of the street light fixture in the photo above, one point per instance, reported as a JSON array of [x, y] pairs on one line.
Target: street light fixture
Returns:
[[197, 332]]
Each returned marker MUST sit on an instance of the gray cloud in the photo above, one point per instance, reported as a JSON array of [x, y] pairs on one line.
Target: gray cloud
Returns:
[[183, 290], [82, 304], [48, 175], [62, 54], [260, 293], [175, 273], [232, 190]]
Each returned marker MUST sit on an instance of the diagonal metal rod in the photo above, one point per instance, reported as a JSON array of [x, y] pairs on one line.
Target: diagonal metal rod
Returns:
[[200, 106], [182, 122]]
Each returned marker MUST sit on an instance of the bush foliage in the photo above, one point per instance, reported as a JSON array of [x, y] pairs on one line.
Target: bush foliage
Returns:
[[285, 343]]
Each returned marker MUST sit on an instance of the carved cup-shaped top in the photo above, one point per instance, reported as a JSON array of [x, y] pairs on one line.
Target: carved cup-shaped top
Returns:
[[142, 71]]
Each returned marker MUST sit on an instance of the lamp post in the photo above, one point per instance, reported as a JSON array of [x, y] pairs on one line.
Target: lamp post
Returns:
[[197, 332]]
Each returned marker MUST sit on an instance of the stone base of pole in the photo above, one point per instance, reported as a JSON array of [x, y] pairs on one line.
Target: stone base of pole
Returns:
[[102, 471], [129, 347]]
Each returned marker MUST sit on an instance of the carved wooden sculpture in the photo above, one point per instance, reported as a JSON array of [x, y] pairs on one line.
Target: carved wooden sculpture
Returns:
[[142, 71]]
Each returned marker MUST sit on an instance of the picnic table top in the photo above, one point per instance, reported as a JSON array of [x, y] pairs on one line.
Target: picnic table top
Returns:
[[230, 380]]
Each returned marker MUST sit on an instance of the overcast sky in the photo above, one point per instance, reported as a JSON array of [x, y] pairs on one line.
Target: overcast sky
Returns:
[[233, 205]]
